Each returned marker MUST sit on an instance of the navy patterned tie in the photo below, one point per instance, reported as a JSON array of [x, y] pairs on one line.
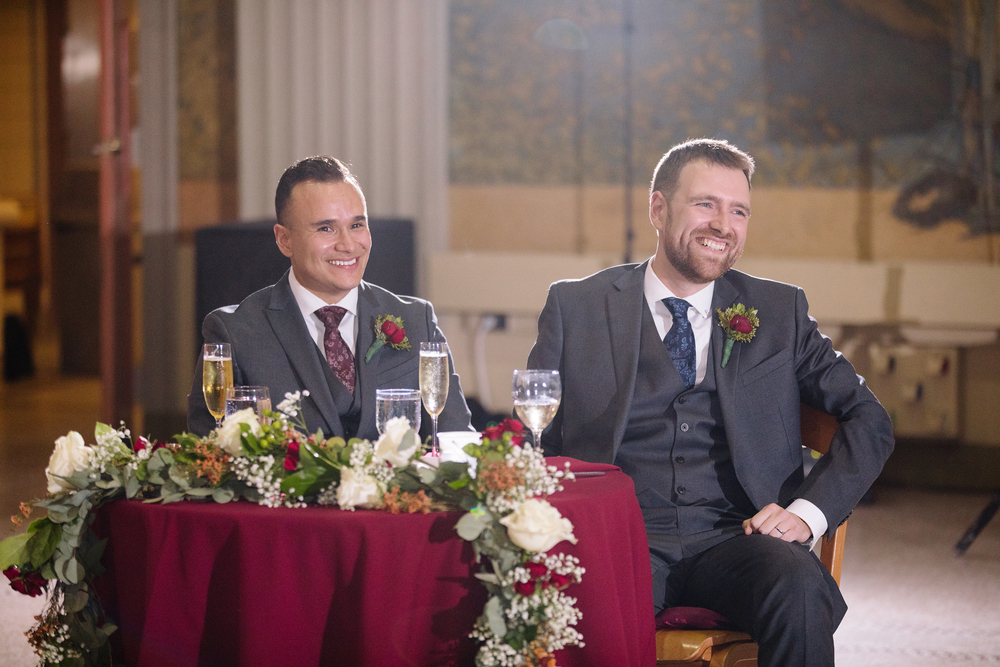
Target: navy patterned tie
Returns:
[[680, 340], [338, 354]]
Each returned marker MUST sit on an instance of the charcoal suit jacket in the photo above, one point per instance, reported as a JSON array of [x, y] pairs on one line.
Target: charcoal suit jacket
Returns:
[[589, 331]]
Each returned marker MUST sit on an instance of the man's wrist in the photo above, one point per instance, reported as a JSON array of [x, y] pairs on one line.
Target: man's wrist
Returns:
[[813, 517]]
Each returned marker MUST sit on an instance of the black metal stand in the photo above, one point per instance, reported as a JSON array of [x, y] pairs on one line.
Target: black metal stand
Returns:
[[977, 526]]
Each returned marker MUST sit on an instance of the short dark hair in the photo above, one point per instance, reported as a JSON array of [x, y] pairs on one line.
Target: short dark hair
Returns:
[[714, 151], [317, 169]]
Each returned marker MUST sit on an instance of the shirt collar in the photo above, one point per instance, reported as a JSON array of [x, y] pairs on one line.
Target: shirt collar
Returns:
[[309, 303], [654, 291]]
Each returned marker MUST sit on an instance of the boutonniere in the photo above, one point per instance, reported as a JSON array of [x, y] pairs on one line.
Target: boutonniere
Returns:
[[388, 331], [740, 324]]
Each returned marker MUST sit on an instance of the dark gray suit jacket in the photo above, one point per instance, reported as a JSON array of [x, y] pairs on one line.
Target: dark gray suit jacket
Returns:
[[589, 331], [271, 347]]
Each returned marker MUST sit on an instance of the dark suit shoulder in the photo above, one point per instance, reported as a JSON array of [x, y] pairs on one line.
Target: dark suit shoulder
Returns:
[[748, 284], [383, 296], [597, 281]]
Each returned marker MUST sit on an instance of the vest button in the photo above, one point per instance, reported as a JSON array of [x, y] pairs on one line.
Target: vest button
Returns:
[[685, 427], [679, 459], [681, 489], [682, 400]]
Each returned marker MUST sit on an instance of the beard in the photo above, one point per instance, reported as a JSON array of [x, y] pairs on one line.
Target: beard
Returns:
[[699, 269]]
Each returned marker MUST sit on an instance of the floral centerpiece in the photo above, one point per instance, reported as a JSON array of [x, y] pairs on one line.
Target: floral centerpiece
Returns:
[[274, 462]]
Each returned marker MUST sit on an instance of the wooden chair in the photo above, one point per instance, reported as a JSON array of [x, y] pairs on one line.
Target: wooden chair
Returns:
[[731, 648]]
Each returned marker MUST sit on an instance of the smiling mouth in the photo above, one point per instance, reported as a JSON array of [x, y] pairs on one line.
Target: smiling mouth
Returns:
[[712, 244], [342, 262]]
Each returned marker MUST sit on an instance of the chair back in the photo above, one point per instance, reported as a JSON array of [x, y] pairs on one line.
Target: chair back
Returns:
[[818, 429]]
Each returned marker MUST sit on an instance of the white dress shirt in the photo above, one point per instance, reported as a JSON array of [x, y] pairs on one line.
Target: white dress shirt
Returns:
[[700, 316], [309, 303]]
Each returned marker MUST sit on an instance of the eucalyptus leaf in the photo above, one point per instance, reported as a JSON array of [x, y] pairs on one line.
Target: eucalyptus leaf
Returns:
[[179, 478], [201, 492], [494, 616], [47, 571], [108, 629], [43, 542], [408, 441], [222, 495], [163, 454], [13, 550], [470, 526], [63, 517], [80, 497], [132, 487], [487, 578], [107, 484], [427, 475], [75, 601], [172, 498]]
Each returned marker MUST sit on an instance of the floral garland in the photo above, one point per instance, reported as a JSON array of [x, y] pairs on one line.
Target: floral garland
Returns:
[[274, 462]]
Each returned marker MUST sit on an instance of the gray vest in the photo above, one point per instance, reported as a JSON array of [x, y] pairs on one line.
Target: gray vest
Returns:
[[676, 452], [348, 405]]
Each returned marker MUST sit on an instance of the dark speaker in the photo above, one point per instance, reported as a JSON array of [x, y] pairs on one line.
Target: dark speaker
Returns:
[[234, 260]]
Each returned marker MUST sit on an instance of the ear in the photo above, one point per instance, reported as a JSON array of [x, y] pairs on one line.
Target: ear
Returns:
[[658, 210], [281, 234]]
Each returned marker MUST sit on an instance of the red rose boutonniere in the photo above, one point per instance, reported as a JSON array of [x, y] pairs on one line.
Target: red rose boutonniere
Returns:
[[740, 324], [388, 331]]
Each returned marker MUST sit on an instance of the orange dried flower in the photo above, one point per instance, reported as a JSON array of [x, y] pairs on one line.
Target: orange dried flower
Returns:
[[405, 502], [498, 476], [214, 463]]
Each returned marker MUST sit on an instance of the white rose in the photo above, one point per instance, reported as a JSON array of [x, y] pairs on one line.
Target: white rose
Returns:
[[537, 526], [228, 435], [70, 454], [387, 448], [356, 490]]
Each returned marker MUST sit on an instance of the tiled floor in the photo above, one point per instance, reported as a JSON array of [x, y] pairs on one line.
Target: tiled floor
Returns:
[[912, 602]]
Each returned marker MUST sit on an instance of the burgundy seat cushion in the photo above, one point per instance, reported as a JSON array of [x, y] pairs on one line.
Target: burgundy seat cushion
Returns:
[[692, 618]]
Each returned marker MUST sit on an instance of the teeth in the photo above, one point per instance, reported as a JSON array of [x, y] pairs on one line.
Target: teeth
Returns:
[[347, 262], [713, 245]]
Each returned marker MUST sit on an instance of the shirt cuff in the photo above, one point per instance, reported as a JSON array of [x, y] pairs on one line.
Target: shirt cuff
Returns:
[[812, 515]]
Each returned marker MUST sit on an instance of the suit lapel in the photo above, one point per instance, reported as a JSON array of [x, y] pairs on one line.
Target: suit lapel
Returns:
[[369, 308], [725, 378], [285, 319], [624, 312]]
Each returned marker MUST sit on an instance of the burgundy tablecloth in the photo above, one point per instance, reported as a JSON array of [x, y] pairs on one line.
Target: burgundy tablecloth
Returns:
[[238, 584]]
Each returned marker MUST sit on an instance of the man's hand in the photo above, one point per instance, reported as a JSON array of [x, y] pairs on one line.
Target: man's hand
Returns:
[[778, 522]]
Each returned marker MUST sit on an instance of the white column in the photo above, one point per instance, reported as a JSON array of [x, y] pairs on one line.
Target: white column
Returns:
[[363, 80]]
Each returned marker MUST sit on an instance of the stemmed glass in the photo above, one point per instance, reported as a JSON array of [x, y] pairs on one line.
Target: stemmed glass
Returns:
[[216, 378], [536, 399], [434, 376], [390, 403]]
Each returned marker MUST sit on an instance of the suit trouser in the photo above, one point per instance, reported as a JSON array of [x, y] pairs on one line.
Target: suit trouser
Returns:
[[777, 592]]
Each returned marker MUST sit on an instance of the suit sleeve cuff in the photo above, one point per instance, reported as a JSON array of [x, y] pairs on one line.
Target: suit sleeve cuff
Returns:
[[812, 515]]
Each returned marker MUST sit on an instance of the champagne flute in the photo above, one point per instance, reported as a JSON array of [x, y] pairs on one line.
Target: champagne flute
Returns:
[[434, 376], [216, 378], [536, 399], [390, 403]]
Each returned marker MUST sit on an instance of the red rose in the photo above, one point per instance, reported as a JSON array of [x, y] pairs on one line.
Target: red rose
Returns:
[[292, 457], [393, 333], [140, 444], [524, 588], [493, 433], [559, 581], [741, 324], [28, 583], [512, 425], [536, 570]]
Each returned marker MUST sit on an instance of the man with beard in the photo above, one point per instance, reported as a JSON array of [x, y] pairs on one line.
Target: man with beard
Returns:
[[709, 430]]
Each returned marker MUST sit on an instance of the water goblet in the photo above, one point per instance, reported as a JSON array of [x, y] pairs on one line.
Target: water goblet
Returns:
[[240, 397], [536, 396]]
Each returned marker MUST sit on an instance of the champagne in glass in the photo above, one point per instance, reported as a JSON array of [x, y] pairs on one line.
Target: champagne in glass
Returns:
[[391, 403], [216, 378], [434, 375], [536, 399]]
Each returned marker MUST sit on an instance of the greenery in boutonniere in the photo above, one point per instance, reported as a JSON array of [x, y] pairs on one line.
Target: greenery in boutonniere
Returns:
[[740, 324], [388, 331]]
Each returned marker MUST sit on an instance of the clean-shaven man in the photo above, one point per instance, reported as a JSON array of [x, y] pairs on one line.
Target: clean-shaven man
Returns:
[[311, 330]]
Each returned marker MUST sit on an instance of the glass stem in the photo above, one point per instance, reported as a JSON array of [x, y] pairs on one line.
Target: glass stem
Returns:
[[538, 438], [434, 441]]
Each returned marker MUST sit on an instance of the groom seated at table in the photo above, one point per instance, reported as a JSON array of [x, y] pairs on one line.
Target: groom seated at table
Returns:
[[689, 376], [311, 330]]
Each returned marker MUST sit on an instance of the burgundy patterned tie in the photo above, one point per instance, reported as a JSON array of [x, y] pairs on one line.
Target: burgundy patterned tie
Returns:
[[338, 355]]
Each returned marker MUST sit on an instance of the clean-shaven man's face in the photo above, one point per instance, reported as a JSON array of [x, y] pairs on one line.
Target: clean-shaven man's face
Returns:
[[324, 231]]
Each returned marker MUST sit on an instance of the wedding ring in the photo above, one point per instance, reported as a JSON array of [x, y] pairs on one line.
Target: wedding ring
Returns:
[[780, 531]]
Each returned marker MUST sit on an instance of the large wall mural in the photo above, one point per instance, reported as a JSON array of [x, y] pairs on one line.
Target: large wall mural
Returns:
[[832, 93]]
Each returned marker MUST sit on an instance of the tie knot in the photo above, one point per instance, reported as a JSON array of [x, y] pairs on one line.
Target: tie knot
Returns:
[[331, 315], [678, 307]]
